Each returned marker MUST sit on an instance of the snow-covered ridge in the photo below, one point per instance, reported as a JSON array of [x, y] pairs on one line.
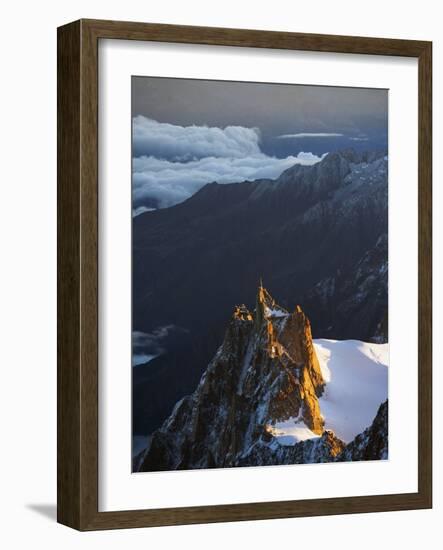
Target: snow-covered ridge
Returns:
[[356, 377]]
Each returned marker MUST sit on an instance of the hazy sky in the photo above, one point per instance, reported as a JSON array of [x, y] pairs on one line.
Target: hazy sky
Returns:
[[189, 132]]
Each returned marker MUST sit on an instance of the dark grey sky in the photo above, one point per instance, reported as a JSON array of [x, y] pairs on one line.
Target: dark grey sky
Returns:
[[276, 109]]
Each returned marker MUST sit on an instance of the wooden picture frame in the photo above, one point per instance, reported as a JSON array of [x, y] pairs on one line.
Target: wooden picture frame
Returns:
[[78, 274]]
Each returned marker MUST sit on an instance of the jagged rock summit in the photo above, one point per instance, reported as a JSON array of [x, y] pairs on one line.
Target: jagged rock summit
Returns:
[[264, 374]]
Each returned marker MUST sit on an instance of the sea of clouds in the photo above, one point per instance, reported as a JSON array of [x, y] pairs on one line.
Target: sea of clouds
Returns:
[[170, 162]]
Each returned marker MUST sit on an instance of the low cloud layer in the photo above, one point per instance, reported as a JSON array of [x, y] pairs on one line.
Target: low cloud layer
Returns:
[[141, 209], [173, 182], [151, 341], [148, 345], [172, 162], [303, 135]]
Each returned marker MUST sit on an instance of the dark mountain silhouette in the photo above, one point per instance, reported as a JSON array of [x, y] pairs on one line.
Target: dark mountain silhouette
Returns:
[[317, 235]]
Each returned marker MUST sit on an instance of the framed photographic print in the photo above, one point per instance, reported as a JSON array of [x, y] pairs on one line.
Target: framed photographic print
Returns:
[[244, 275]]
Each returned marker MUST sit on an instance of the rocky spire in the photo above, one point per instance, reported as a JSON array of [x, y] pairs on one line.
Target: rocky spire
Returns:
[[260, 305], [265, 372], [265, 306]]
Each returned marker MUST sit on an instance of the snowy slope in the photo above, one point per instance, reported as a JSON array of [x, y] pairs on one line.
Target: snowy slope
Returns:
[[291, 431], [356, 376]]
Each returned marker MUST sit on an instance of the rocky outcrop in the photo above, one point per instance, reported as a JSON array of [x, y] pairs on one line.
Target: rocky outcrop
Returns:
[[381, 334], [312, 451], [372, 444], [265, 372]]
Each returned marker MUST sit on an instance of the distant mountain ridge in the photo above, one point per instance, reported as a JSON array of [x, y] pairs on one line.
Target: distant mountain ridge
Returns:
[[317, 235]]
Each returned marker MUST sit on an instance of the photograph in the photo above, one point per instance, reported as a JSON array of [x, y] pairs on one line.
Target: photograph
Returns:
[[259, 274]]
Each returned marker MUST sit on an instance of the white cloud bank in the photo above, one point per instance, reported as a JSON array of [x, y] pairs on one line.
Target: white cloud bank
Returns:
[[177, 161], [182, 143], [173, 182]]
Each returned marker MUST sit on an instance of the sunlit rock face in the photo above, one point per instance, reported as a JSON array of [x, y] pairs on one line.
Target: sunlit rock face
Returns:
[[265, 372]]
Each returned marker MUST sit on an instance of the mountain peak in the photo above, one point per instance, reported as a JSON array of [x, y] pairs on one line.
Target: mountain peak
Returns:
[[265, 372], [317, 180], [257, 402], [330, 171], [266, 307]]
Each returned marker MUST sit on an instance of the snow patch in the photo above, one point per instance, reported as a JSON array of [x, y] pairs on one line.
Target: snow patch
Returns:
[[356, 377], [272, 312], [291, 431]]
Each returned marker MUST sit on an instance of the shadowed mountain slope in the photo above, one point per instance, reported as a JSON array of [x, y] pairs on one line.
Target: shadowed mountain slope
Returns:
[[317, 235]]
